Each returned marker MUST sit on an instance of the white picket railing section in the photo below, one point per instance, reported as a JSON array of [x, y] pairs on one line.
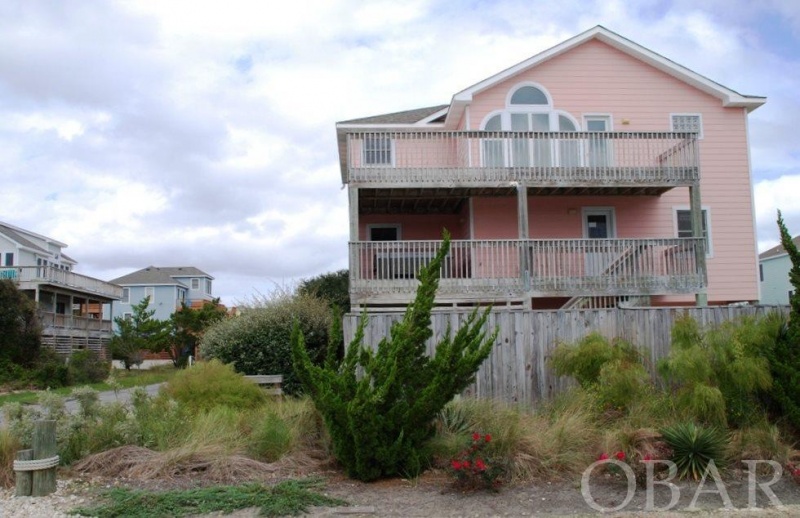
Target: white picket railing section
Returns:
[[555, 267], [60, 277], [541, 158]]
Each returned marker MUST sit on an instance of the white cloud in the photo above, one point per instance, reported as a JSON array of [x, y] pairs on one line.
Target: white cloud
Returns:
[[199, 133]]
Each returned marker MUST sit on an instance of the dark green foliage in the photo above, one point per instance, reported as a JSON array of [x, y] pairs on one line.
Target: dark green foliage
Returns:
[[784, 359], [50, 370], [379, 405], [693, 447], [291, 497], [188, 327], [717, 374], [87, 367], [20, 336], [259, 340], [612, 370], [333, 287], [141, 332], [210, 384]]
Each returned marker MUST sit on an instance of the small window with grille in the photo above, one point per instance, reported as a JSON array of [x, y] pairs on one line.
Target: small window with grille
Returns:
[[377, 150], [687, 123]]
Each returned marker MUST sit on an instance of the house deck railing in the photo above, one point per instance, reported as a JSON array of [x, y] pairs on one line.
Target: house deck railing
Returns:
[[560, 159], [559, 267], [54, 321], [28, 276]]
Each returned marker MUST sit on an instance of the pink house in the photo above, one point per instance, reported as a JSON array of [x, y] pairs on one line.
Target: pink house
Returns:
[[593, 174]]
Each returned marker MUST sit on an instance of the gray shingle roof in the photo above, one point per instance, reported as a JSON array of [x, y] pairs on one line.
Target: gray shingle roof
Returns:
[[404, 117], [778, 250], [18, 238], [153, 275]]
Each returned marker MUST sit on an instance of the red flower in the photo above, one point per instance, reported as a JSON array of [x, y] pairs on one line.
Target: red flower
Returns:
[[476, 436], [603, 456], [456, 465], [487, 438], [465, 464], [647, 458], [480, 465], [620, 455]]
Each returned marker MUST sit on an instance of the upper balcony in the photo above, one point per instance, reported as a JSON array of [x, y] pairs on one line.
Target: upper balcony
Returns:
[[650, 162], [31, 277]]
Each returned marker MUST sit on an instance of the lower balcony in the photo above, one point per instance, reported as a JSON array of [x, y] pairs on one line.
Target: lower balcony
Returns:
[[493, 271]]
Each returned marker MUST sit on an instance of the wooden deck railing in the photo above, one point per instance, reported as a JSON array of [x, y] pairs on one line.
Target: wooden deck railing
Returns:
[[560, 267], [72, 322], [26, 276], [535, 158]]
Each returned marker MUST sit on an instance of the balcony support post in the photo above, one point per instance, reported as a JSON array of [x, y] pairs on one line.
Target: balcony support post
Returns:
[[353, 262], [695, 206], [522, 215]]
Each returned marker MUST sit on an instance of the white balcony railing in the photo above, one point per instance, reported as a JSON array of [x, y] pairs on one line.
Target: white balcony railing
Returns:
[[541, 158], [27, 276], [560, 267]]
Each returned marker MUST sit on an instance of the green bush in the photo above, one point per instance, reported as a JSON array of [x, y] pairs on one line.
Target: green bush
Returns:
[[718, 374], [380, 405], [86, 366], [210, 384], [160, 423], [258, 341], [612, 370], [50, 370]]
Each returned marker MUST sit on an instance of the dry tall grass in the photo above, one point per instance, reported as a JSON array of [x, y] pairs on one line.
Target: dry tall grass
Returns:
[[8, 450]]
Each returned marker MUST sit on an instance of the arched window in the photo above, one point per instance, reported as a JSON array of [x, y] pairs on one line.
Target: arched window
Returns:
[[529, 95], [529, 109]]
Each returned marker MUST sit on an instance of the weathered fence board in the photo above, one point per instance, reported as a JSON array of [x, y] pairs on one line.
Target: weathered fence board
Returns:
[[517, 369]]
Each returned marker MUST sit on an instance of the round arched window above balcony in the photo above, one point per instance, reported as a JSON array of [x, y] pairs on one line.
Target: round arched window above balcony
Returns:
[[529, 95]]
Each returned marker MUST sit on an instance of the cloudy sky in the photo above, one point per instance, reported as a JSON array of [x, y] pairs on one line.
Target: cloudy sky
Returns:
[[201, 133]]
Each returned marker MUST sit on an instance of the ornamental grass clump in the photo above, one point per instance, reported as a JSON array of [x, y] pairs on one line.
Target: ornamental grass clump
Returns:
[[379, 405]]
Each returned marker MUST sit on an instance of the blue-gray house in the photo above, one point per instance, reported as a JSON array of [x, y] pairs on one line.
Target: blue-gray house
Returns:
[[773, 271], [167, 287]]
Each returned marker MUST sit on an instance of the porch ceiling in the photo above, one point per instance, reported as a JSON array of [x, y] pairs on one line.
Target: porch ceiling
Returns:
[[451, 200]]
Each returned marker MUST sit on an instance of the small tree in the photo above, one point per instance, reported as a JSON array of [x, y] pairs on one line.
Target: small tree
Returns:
[[333, 287], [379, 406], [784, 358], [141, 332], [20, 335], [188, 327]]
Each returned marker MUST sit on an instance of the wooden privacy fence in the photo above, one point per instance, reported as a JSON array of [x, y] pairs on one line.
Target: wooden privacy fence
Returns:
[[517, 369]]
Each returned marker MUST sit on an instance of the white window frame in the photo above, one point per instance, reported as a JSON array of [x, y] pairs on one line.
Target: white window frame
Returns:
[[195, 284], [127, 316], [703, 208], [609, 120], [611, 212], [126, 296], [385, 225], [373, 136], [208, 286], [150, 291], [699, 119]]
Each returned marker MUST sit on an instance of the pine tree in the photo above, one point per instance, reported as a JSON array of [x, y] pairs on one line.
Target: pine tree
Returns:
[[379, 405], [784, 359]]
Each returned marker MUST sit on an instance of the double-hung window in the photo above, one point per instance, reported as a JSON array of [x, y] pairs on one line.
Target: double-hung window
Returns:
[[684, 226]]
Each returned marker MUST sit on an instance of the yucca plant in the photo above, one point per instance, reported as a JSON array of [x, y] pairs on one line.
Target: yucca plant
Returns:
[[694, 447]]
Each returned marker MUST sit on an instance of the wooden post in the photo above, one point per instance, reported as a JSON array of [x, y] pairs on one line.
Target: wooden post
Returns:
[[24, 478], [695, 206], [44, 447]]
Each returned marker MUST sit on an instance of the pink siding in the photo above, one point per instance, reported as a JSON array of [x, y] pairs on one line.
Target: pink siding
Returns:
[[626, 88]]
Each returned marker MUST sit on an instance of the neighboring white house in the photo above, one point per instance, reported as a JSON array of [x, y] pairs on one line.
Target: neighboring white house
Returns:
[[70, 304], [773, 271], [167, 287]]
